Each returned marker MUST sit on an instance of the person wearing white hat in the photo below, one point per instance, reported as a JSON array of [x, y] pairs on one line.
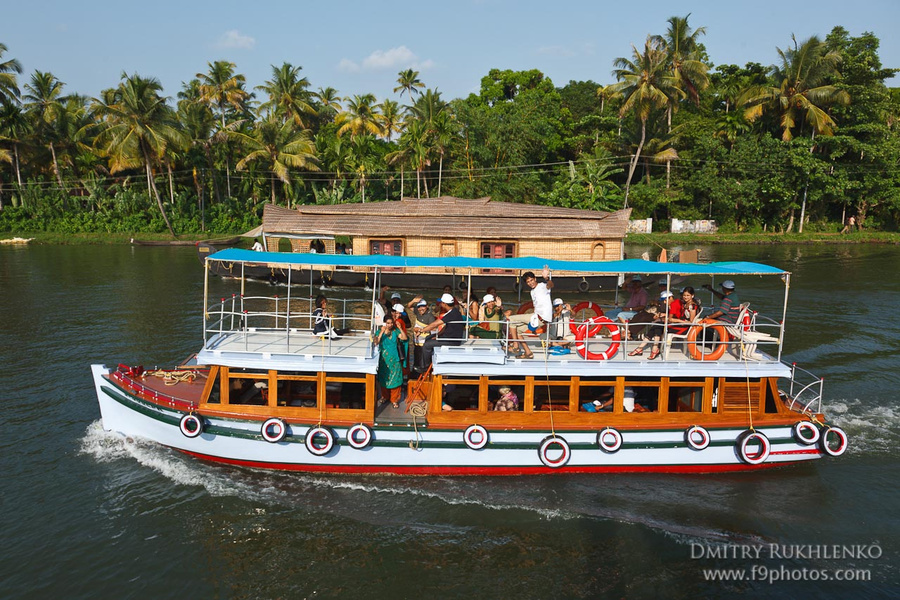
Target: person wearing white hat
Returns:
[[729, 305], [419, 317], [559, 329], [452, 334], [489, 319]]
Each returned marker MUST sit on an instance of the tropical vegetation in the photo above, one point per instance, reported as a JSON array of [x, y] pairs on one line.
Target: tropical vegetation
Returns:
[[806, 142]]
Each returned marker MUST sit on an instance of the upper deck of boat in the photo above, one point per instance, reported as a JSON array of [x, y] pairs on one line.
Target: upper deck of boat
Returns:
[[301, 350]]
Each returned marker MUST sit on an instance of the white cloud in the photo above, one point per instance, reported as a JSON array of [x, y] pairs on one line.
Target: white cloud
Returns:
[[234, 39], [400, 57]]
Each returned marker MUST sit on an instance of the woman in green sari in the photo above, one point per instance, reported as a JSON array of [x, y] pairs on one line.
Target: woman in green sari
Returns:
[[392, 349]]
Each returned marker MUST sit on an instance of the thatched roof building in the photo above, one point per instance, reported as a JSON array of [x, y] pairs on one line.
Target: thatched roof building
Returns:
[[448, 226]]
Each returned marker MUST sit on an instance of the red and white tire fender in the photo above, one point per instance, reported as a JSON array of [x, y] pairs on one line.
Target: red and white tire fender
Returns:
[[359, 436], [552, 445], [191, 425], [744, 447], [589, 329], [598, 312], [273, 430], [609, 440], [319, 440], [825, 444], [476, 437], [805, 433], [696, 437]]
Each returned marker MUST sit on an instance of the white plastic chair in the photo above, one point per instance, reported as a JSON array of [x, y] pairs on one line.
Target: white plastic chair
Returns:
[[747, 336]]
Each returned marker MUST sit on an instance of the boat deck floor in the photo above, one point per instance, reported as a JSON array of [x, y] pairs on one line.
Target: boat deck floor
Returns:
[[299, 343]]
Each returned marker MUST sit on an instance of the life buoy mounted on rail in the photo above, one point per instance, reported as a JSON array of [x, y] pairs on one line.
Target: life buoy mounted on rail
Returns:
[[592, 327], [580, 307], [692, 346]]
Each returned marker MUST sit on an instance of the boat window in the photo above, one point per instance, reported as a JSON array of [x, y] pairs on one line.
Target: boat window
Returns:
[[685, 398], [386, 247], [598, 251], [298, 390], [551, 395], [248, 391], [771, 397], [640, 396], [516, 400], [739, 396], [461, 394], [596, 398], [343, 392], [498, 250], [215, 396]]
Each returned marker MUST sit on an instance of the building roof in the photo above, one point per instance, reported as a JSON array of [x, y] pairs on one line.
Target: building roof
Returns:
[[447, 217]]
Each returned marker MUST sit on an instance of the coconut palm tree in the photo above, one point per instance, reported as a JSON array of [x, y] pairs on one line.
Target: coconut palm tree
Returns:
[[361, 117], [801, 89], [277, 147], [14, 128], [9, 87], [644, 83], [287, 94], [409, 81], [391, 118], [136, 127], [329, 103], [220, 89], [683, 55], [44, 104]]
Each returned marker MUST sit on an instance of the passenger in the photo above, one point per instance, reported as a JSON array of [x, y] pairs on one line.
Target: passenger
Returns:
[[400, 317], [559, 329], [472, 311], [392, 349], [684, 310], [489, 320], [388, 301], [508, 400], [730, 305], [257, 247], [653, 331], [493, 292], [636, 301], [420, 316], [452, 334], [540, 298], [628, 404], [322, 322]]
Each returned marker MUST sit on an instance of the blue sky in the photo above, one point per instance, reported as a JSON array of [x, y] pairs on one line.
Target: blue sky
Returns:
[[357, 47]]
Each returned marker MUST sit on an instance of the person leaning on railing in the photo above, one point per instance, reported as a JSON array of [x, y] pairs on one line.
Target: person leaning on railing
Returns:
[[453, 334], [730, 304]]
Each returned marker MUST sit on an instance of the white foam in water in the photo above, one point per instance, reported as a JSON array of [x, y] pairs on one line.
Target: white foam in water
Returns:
[[871, 429], [106, 446]]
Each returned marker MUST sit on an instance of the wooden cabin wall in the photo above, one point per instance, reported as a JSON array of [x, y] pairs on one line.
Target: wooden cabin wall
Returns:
[[581, 249]]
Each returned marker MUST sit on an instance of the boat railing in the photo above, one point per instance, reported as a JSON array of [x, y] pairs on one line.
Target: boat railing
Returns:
[[805, 390], [293, 318]]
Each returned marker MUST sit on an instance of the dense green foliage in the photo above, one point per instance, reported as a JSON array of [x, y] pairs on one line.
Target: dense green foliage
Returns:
[[806, 142]]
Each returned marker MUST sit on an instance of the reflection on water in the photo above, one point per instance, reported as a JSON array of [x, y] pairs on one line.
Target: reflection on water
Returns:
[[89, 510]]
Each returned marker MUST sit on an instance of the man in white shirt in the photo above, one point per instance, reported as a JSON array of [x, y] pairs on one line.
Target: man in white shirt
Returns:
[[540, 298]]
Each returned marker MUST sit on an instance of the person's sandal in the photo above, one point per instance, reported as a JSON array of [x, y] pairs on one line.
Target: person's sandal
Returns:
[[653, 355], [636, 352], [395, 404]]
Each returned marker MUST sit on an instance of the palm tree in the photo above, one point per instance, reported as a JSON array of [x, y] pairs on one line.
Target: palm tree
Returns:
[[442, 130], [44, 103], [13, 129], [361, 117], [427, 106], [409, 81], [800, 89], [645, 84], [278, 147], [414, 142], [330, 103], [9, 88], [136, 127], [222, 88], [287, 94], [391, 118], [683, 54]]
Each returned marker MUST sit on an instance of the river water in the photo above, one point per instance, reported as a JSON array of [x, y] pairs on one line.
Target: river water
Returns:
[[87, 514]]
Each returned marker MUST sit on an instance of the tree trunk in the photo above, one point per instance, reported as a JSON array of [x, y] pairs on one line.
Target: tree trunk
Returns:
[[272, 182], [440, 174], [418, 183], [171, 185], [16, 157], [151, 185], [401, 182], [200, 202], [637, 156], [212, 171], [803, 208], [668, 173]]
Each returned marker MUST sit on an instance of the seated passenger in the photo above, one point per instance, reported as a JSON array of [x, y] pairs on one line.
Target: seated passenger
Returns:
[[508, 400], [322, 323], [488, 320], [452, 334], [730, 305], [653, 331], [419, 316], [559, 328], [636, 301]]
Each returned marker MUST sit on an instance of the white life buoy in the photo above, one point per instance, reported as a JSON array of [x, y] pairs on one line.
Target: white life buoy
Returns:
[[609, 440], [475, 437], [825, 441], [548, 446], [805, 433], [696, 437], [273, 430], [314, 435], [191, 425], [359, 436], [744, 445]]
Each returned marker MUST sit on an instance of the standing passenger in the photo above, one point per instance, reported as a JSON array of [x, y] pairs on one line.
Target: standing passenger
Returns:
[[392, 347]]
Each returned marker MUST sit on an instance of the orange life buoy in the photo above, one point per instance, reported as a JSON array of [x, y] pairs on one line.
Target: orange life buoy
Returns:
[[589, 329], [526, 307], [719, 350], [598, 312]]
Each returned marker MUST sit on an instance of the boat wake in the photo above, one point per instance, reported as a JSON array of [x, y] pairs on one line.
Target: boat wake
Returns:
[[872, 429]]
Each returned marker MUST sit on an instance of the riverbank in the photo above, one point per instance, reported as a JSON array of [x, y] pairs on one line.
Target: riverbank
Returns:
[[662, 240]]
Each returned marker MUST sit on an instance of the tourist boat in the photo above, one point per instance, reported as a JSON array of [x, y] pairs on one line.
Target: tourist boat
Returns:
[[265, 392], [435, 227]]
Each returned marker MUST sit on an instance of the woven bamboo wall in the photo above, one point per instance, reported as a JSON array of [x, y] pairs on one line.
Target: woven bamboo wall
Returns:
[[560, 250]]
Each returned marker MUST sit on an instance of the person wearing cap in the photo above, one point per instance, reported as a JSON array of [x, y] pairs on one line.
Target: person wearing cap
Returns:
[[559, 329], [388, 301], [489, 320], [653, 331], [452, 334], [636, 301], [729, 305], [419, 316]]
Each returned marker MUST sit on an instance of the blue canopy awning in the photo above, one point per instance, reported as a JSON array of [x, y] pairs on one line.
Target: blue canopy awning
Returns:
[[464, 263]]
